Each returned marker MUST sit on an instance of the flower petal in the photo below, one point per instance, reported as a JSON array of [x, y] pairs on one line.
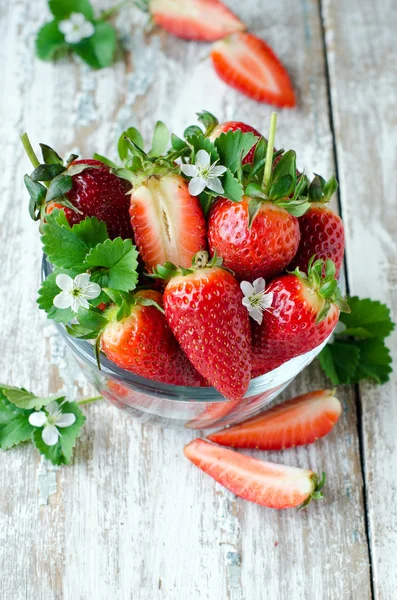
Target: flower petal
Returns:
[[77, 18], [92, 290], [63, 300], [64, 282], [246, 302], [189, 170], [247, 288], [81, 281], [37, 419], [52, 407], [77, 302], [87, 30], [266, 301], [50, 435], [259, 285], [215, 185], [218, 170], [256, 314], [203, 159], [65, 420], [65, 27], [196, 186]]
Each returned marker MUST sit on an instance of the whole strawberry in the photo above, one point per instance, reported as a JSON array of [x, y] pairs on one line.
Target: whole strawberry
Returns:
[[203, 306], [303, 312], [234, 126], [143, 343], [322, 231]]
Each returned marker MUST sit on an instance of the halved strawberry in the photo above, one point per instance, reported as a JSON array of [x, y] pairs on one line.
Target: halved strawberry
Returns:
[[269, 484], [296, 422], [168, 223], [248, 64], [234, 126], [202, 20]]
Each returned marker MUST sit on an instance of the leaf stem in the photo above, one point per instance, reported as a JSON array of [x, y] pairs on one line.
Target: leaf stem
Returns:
[[110, 12], [269, 152], [29, 150], [89, 400]]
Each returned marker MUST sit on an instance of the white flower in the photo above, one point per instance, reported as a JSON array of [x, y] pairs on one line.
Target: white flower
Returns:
[[204, 174], [76, 28], [53, 419], [255, 299], [75, 292]]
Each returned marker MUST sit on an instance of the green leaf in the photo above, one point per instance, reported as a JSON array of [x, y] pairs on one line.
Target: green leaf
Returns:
[[254, 205], [232, 187], [50, 157], [67, 247], [114, 264], [208, 120], [37, 193], [206, 202], [62, 9], [14, 427], [45, 300], [59, 186], [177, 143], [191, 131], [24, 399], [285, 166], [339, 361], [92, 319], [98, 50], [368, 319], [160, 141], [49, 41], [233, 146], [199, 142], [122, 146], [282, 187], [375, 361], [61, 452], [105, 161], [47, 172]]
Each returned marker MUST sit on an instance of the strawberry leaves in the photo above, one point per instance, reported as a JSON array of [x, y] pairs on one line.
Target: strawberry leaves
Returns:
[[359, 351], [113, 264]]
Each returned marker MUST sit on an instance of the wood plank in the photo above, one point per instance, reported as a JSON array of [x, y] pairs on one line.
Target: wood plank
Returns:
[[132, 518], [361, 53]]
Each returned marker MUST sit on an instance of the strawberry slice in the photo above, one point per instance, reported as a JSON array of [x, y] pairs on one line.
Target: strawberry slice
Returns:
[[248, 64], [203, 20], [302, 420], [168, 222], [269, 484]]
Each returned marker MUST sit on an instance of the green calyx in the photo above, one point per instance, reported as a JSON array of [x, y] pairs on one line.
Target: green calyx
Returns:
[[49, 180], [325, 285], [316, 494], [199, 261], [321, 190]]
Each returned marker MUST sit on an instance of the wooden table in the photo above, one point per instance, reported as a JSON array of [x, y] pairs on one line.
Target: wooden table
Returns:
[[131, 518]]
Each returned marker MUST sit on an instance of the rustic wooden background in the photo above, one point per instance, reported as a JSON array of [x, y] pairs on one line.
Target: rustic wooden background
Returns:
[[132, 519]]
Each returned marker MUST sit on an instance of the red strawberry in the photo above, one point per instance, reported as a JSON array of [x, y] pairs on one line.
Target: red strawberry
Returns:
[[234, 126], [99, 193], [168, 223], [296, 422], [322, 231], [262, 250], [203, 20], [248, 64], [143, 343], [204, 309], [266, 483], [303, 313]]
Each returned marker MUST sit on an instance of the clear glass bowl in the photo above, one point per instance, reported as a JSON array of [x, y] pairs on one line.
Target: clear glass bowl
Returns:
[[164, 404]]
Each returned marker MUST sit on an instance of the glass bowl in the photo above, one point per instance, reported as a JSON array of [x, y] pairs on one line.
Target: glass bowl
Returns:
[[167, 405]]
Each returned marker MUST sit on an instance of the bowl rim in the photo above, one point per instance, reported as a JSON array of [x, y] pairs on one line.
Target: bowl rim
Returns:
[[258, 385]]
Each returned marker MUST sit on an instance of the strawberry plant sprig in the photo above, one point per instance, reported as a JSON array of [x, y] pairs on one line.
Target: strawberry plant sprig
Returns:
[[75, 28], [51, 423]]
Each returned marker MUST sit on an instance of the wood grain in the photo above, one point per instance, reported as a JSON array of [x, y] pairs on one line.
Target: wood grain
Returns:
[[132, 518], [361, 50]]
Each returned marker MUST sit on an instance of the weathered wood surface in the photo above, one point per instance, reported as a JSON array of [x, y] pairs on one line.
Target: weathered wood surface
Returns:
[[131, 518], [363, 74]]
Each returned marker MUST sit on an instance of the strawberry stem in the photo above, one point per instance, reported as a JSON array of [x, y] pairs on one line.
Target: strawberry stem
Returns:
[[89, 400], [29, 150], [269, 152]]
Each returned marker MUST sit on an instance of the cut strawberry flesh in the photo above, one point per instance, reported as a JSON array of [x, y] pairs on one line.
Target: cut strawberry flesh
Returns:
[[294, 423], [248, 64], [266, 483], [168, 222], [203, 20]]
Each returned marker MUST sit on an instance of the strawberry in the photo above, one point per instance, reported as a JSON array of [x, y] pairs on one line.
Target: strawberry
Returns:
[[168, 223], [304, 311], [248, 64], [269, 484], [233, 126], [204, 309], [322, 231], [202, 20], [297, 422], [143, 343]]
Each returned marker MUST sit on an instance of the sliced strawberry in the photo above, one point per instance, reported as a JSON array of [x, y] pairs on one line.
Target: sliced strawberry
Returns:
[[168, 222], [248, 64], [302, 420], [202, 20], [266, 483], [234, 126]]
